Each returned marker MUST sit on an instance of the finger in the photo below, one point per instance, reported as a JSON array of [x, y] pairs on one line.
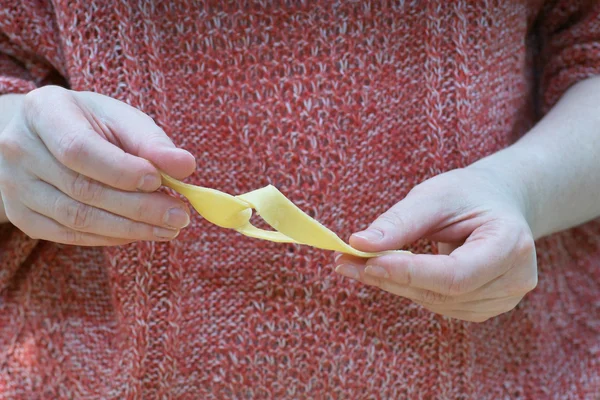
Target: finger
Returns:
[[476, 311], [448, 248], [52, 203], [351, 270], [493, 306], [140, 135], [404, 223], [423, 297], [372, 276], [152, 208], [521, 279], [462, 307], [496, 297], [486, 255], [341, 258], [510, 286], [38, 226], [514, 284], [378, 277], [62, 125]]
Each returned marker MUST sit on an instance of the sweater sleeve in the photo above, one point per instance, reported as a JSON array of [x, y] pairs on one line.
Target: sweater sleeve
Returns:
[[14, 78], [569, 33], [30, 52], [29, 58]]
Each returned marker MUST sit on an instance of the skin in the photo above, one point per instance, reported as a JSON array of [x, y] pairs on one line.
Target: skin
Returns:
[[77, 168], [485, 217]]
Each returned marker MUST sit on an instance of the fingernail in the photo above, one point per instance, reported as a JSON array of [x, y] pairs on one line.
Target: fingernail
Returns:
[[179, 151], [372, 235], [337, 257], [377, 271], [176, 218], [185, 151], [149, 183], [165, 233], [349, 271]]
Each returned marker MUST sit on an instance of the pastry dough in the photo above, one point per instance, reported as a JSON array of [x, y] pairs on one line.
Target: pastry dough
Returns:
[[291, 224]]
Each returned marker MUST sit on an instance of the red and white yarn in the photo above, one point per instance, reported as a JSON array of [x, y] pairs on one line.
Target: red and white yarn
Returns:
[[344, 106]]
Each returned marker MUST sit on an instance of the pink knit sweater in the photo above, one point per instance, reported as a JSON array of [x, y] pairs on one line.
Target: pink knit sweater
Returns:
[[344, 106]]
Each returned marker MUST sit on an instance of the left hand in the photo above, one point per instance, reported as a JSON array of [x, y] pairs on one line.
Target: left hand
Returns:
[[487, 259]]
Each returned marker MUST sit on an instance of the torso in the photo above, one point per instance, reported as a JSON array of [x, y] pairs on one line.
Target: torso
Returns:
[[344, 107]]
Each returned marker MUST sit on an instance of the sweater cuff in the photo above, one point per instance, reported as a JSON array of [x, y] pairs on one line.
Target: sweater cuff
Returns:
[[15, 248], [14, 78], [570, 47]]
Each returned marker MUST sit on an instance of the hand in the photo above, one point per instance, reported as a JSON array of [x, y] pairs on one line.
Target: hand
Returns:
[[76, 168], [487, 259]]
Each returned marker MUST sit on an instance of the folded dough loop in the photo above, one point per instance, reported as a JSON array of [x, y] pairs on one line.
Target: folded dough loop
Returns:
[[291, 224]]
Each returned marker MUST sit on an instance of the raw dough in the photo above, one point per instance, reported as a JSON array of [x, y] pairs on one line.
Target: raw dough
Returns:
[[291, 224]]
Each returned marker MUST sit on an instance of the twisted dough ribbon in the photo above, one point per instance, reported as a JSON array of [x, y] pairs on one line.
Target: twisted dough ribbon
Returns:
[[291, 224]]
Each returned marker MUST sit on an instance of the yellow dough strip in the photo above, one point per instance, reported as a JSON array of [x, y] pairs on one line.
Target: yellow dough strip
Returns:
[[291, 224]]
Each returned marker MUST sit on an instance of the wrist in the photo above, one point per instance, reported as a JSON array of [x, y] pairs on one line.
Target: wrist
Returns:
[[514, 171]]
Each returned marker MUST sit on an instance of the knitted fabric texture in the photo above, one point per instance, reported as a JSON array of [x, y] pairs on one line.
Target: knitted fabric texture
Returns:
[[344, 106]]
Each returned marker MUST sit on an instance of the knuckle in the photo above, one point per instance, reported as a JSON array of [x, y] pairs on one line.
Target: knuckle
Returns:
[[455, 284], [467, 315], [158, 136], [71, 149], [371, 280], [131, 229], [384, 284], [18, 219], [69, 236], [139, 231], [23, 222], [118, 180], [150, 118], [430, 297], [510, 305], [11, 147], [417, 190], [75, 214], [142, 114], [530, 284], [142, 211], [31, 234], [147, 207], [8, 183], [47, 91], [477, 318], [517, 288], [392, 218], [34, 102], [380, 283], [86, 189], [525, 247]]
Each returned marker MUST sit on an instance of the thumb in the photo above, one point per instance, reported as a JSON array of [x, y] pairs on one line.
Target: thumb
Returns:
[[161, 151], [407, 221], [138, 134]]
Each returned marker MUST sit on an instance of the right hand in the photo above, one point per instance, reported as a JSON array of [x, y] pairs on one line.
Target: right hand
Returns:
[[77, 168]]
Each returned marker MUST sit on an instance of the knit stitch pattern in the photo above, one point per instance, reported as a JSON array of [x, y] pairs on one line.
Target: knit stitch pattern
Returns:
[[344, 106]]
